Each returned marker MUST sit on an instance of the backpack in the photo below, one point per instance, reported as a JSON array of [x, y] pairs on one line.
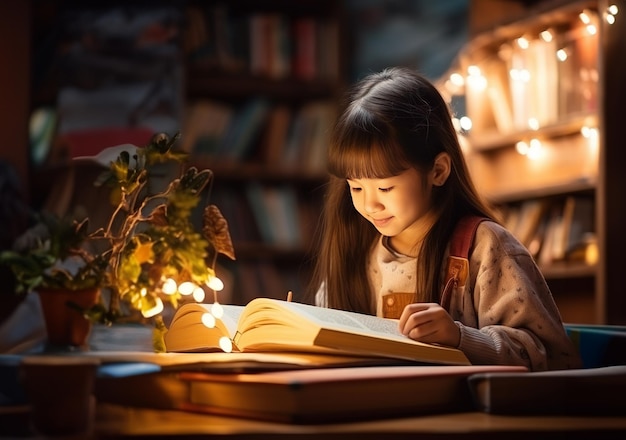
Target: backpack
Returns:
[[458, 261], [456, 272]]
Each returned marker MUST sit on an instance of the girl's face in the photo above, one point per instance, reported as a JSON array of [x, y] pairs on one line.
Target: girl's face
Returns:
[[393, 205]]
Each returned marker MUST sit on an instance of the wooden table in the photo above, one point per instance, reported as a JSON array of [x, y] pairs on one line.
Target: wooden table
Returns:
[[123, 422]]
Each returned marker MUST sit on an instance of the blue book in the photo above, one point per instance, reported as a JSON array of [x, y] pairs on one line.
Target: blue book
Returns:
[[599, 345]]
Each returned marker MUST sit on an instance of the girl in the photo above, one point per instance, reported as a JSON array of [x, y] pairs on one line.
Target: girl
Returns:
[[399, 185]]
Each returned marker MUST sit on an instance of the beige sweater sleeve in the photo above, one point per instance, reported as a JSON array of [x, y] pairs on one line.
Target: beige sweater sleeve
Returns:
[[506, 312]]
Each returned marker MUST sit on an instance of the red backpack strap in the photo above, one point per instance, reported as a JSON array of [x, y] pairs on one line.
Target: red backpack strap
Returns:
[[458, 261]]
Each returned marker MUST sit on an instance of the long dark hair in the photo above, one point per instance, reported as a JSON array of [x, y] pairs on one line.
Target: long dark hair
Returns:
[[391, 121]]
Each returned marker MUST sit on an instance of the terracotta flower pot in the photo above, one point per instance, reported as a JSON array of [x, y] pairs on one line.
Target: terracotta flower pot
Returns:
[[65, 325]]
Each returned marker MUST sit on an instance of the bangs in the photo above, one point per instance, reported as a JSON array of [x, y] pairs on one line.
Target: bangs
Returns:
[[366, 151]]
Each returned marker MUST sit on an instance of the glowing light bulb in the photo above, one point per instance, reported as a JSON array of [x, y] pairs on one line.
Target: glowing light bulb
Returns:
[[214, 283], [546, 36], [169, 287], [465, 123], [586, 131], [584, 17], [475, 79], [457, 79], [226, 344], [143, 292], [561, 54], [535, 149], [158, 308], [217, 310], [522, 148], [198, 294], [186, 288], [523, 42], [473, 70], [208, 320], [521, 75]]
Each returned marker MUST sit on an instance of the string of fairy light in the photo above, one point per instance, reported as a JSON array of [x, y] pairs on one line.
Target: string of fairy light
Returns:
[[189, 288], [472, 78]]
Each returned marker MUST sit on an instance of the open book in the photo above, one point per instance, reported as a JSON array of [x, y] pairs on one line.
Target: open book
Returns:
[[274, 325]]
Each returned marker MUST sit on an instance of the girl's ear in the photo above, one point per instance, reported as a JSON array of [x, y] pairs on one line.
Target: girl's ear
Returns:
[[441, 169]]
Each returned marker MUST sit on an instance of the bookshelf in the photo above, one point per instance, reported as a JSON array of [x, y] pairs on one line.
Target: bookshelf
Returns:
[[251, 85], [543, 93], [262, 81]]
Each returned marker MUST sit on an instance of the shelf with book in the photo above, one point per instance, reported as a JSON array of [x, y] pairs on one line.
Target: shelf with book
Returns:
[[541, 136], [262, 80]]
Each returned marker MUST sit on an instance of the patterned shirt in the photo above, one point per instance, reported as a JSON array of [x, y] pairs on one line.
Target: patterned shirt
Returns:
[[505, 311]]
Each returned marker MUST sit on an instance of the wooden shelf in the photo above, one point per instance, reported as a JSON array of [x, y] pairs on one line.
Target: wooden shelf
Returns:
[[569, 270], [572, 125], [271, 192], [582, 185], [569, 166]]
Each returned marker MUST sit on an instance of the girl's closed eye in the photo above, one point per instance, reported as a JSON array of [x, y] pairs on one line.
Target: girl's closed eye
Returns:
[[385, 189]]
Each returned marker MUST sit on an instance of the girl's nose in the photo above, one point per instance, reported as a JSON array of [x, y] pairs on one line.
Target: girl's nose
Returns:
[[371, 204]]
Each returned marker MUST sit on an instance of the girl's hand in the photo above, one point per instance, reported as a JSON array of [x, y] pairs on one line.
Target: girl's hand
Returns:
[[430, 323]]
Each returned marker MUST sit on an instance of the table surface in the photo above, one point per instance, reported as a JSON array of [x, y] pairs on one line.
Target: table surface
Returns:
[[119, 422], [114, 421]]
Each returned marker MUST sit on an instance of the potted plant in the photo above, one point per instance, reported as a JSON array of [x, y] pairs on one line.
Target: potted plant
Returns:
[[149, 253]]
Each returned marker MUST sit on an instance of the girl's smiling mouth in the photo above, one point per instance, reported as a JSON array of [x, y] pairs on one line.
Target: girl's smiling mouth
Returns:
[[381, 222]]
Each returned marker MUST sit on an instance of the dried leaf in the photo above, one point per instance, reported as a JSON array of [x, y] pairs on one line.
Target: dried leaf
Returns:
[[159, 216], [215, 229]]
